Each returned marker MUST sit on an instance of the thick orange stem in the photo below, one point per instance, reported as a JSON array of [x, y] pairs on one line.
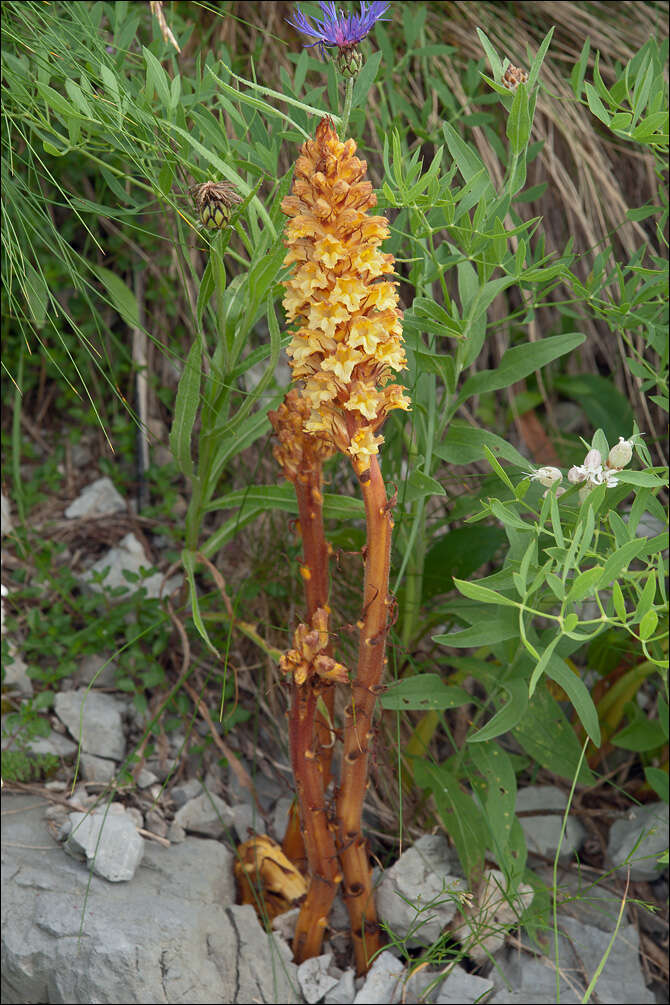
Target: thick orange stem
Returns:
[[358, 893]]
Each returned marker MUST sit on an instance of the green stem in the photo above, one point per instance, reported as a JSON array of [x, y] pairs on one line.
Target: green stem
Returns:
[[348, 96]]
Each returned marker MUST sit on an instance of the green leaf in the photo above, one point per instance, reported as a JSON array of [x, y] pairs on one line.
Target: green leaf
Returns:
[[596, 105], [463, 444], [507, 717], [508, 517], [548, 738], [37, 294], [422, 692], [467, 160], [641, 736], [585, 583], [646, 479], [460, 816], [658, 779], [186, 408], [520, 361], [189, 560], [497, 626], [518, 122], [122, 299], [497, 791], [577, 692], [604, 405], [620, 560], [460, 552], [619, 602], [420, 485], [483, 594], [156, 77], [366, 79], [648, 625]]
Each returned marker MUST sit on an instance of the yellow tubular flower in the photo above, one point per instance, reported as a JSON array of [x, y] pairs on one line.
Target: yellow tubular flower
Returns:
[[349, 336]]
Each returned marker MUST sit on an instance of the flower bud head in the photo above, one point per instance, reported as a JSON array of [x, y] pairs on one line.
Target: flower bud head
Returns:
[[513, 76], [547, 476], [215, 200], [349, 61], [620, 455]]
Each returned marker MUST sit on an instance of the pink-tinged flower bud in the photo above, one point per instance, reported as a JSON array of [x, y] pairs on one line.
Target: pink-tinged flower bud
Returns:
[[560, 491], [576, 475], [547, 476], [620, 455], [593, 462]]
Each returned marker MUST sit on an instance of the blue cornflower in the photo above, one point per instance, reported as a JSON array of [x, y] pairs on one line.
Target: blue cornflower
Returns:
[[337, 29]]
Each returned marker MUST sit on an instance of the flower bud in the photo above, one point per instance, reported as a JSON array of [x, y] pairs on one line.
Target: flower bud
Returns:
[[620, 455], [349, 61], [547, 476], [513, 76], [215, 200], [576, 475]]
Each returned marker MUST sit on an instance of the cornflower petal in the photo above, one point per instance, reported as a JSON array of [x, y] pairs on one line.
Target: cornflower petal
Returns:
[[337, 29]]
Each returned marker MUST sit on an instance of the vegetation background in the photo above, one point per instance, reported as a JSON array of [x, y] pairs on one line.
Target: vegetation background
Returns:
[[107, 290]]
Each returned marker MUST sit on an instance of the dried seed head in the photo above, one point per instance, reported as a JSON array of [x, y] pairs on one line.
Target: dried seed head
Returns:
[[513, 76], [214, 201]]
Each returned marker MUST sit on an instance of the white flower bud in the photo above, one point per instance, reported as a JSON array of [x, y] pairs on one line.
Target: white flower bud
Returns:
[[593, 461], [620, 455], [576, 475], [547, 476]]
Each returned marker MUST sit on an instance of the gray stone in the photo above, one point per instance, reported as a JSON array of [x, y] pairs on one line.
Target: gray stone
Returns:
[[5, 516], [462, 988], [108, 841], [382, 980], [206, 814], [344, 991], [245, 821], [169, 936], [490, 914], [543, 831], [96, 670], [418, 896], [100, 498], [184, 791], [580, 896], [97, 769], [55, 743], [314, 979], [127, 556], [520, 977], [15, 673], [280, 815], [638, 840], [94, 720]]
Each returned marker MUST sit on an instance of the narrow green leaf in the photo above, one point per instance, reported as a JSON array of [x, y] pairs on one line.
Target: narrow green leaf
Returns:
[[483, 594], [585, 584], [507, 717], [121, 297], [620, 560], [578, 694], [542, 665], [186, 408], [422, 692], [189, 560], [520, 361]]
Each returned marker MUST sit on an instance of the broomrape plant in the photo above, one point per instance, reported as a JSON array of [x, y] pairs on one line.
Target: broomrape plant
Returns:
[[346, 348]]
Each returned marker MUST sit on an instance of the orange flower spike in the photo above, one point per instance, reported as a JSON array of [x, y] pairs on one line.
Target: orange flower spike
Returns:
[[349, 334]]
